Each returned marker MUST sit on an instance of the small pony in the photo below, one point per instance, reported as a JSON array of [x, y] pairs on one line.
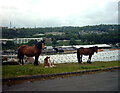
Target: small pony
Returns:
[[48, 63], [31, 51], [86, 51]]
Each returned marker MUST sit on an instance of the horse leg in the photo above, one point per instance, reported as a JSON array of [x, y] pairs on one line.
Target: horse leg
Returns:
[[19, 60], [80, 58], [36, 60], [22, 60], [89, 59]]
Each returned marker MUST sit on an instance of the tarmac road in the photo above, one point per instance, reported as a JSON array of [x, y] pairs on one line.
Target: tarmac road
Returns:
[[102, 81]]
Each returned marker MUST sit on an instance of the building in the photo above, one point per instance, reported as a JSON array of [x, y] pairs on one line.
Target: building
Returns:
[[54, 33], [20, 40], [48, 39], [38, 34], [5, 40], [99, 45], [25, 40]]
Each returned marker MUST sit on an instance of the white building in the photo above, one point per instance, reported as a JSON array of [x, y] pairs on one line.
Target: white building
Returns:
[[87, 46], [5, 40], [99, 45], [25, 40]]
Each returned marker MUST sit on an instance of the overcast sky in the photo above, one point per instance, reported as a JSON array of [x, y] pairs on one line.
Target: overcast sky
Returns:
[[52, 13]]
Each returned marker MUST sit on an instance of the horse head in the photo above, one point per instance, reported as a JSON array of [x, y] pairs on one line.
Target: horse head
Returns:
[[96, 49], [41, 45], [47, 58]]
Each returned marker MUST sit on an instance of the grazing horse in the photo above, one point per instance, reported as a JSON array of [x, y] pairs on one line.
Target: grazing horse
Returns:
[[86, 51], [31, 51]]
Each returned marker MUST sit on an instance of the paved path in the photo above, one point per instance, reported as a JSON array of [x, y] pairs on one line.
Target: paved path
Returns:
[[102, 81]]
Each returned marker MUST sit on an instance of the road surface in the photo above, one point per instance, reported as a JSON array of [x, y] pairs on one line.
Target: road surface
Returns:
[[102, 81]]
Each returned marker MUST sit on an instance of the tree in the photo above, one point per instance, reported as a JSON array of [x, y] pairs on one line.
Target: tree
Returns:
[[72, 41], [54, 41], [10, 44], [32, 42]]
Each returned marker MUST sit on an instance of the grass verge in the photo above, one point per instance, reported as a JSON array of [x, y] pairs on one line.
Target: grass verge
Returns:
[[30, 69]]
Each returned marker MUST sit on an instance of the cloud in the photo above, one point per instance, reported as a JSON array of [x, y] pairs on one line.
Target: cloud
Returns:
[[42, 13]]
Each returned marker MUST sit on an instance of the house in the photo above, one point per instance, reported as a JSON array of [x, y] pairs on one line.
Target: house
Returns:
[[4, 41], [25, 40], [54, 33]]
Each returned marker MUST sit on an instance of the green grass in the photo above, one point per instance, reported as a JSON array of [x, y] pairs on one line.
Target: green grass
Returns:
[[30, 69]]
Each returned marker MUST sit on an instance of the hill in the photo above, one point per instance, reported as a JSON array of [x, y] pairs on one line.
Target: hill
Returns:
[[87, 34]]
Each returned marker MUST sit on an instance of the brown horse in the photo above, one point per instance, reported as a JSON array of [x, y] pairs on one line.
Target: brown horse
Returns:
[[31, 51], [86, 51]]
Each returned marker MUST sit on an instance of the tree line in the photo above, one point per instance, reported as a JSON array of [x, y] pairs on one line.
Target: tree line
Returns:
[[72, 34]]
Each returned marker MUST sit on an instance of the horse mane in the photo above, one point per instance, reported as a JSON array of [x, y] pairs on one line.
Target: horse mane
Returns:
[[39, 44], [94, 48], [91, 47], [81, 48]]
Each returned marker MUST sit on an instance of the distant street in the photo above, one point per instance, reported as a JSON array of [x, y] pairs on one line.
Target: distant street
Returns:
[[102, 81]]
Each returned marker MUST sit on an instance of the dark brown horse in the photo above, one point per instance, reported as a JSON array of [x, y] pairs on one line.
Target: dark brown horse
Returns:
[[86, 51], [31, 51]]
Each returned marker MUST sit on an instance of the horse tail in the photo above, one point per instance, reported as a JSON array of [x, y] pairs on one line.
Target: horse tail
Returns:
[[20, 49], [19, 55], [78, 55]]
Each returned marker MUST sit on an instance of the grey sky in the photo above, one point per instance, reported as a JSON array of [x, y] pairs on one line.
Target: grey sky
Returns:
[[51, 13]]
